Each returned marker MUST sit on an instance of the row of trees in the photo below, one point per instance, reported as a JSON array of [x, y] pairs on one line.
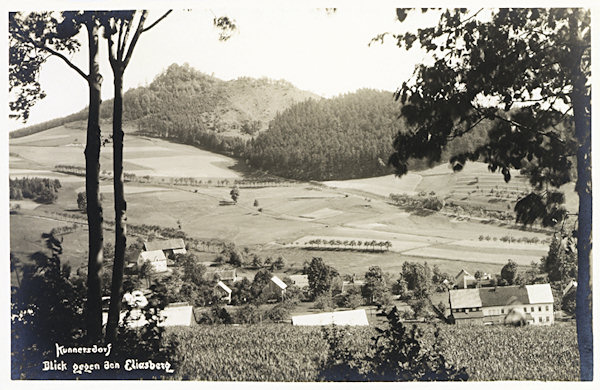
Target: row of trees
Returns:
[[319, 243]]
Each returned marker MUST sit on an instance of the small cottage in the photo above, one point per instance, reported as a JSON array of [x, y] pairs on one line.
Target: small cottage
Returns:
[[156, 258], [223, 292]]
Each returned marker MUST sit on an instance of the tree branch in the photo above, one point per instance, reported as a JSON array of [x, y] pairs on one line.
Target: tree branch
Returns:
[[136, 36], [157, 21], [123, 43], [62, 57]]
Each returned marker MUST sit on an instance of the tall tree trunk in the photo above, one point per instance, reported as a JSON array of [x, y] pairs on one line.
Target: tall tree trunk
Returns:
[[584, 234], [582, 115], [120, 210], [93, 306]]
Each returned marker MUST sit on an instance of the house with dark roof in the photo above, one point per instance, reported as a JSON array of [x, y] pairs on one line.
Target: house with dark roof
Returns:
[[170, 247], [533, 304]]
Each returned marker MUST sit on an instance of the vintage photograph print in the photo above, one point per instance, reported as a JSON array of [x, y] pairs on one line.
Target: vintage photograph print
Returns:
[[300, 194]]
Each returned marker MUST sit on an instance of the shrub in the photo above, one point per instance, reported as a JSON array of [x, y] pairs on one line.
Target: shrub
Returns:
[[323, 302], [395, 354]]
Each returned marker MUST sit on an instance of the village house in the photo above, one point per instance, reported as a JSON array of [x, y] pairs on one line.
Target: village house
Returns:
[[340, 318], [223, 292], [156, 258], [225, 275], [300, 281], [170, 247], [275, 287], [533, 304], [465, 280]]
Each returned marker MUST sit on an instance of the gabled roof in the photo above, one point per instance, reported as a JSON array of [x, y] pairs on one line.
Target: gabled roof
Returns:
[[156, 255], [175, 243], [463, 272], [572, 284], [349, 317], [224, 287], [465, 298], [539, 293], [279, 283], [502, 296]]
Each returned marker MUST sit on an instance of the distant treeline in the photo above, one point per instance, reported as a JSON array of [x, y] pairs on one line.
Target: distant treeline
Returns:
[[82, 115], [41, 190]]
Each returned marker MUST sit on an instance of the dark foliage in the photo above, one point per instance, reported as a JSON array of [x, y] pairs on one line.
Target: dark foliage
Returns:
[[396, 354], [46, 309], [41, 190]]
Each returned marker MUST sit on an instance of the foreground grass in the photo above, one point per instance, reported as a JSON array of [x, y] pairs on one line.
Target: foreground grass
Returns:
[[286, 353]]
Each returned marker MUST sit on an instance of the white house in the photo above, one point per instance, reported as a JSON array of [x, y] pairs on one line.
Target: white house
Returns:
[[299, 281], [341, 318], [156, 258], [492, 305]]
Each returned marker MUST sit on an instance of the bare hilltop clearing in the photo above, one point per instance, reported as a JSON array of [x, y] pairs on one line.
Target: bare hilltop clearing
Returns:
[[175, 183]]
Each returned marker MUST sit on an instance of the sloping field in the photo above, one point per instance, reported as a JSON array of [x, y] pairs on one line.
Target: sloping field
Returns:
[[142, 155], [472, 256], [383, 185]]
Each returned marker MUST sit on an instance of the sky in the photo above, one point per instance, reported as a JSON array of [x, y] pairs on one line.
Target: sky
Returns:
[[325, 53]]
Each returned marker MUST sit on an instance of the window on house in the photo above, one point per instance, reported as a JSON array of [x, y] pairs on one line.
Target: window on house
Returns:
[[547, 319], [502, 311], [539, 308], [547, 309], [525, 309]]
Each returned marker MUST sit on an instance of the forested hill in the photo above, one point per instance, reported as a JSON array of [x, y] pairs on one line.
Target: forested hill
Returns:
[[182, 101], [348, 136]]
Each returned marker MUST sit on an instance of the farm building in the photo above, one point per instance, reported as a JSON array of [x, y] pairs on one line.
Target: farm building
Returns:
[[169, 247], [300, 281], [156, 258], [276, 287], [532, 304], [225, 275], [223, 291], [465, 280], [341, 318]]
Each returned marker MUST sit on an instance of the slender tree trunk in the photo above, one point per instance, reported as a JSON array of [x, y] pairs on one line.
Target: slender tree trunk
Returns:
[[584, 236], [93, 306], [582, 115], [120, 210]]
